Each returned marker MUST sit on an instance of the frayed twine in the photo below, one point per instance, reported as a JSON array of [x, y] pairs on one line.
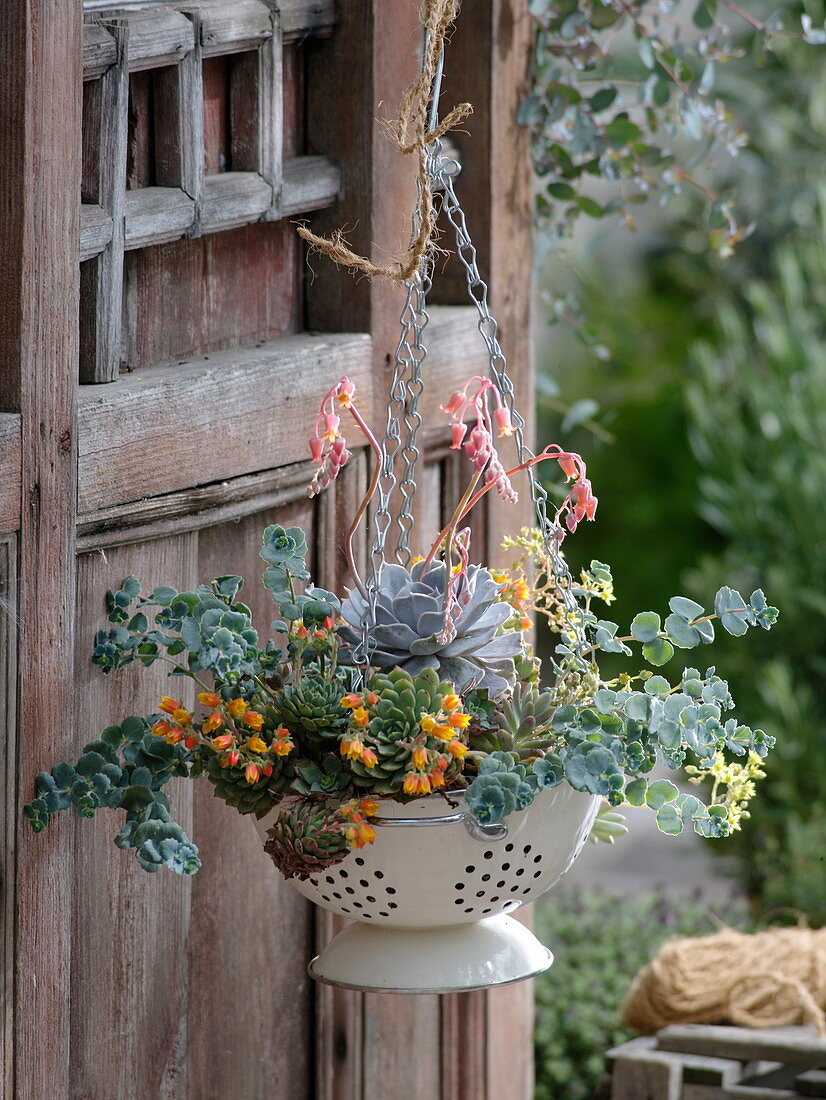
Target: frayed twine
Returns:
[[411, 134]]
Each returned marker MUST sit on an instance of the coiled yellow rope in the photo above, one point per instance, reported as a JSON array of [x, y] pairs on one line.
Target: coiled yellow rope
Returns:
[[768, 979]]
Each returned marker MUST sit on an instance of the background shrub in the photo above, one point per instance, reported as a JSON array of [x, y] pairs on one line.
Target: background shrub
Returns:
[[600, 942]]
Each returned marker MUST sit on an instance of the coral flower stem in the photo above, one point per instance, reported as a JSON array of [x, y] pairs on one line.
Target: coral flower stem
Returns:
[[449, 531], [368, 496], [471, 499]]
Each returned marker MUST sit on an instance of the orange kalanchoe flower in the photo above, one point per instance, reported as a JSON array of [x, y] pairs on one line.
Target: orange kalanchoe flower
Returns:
[[360, 717], [253, 719], [237, 707], [267, 770], [209, 699], [451, 702], [372, 698], [369, 758], [416, 784], [360, 835], [169, 705], [350, 702], [222, 741], [459, 721], [182, 716], [191, 741], [457, 749], [437, 779], [351, 747], [420, 759], [252, 773], [161, 729], [428, 723], [255, 744], [212, 722], [174, 736], [444, 733], [282, 746], [369, 807], [232, 758]]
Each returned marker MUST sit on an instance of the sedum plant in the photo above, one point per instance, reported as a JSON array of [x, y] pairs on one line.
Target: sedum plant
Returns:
[[419, 682]]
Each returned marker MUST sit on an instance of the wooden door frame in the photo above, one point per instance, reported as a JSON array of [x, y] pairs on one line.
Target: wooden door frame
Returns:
[[40, 173]]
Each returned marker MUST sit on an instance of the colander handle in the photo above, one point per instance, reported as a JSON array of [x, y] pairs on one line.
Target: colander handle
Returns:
[[477, 830]]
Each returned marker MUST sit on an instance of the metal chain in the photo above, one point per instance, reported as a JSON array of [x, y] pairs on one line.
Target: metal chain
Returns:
[[552, 534], [412, 352], [405, 392]]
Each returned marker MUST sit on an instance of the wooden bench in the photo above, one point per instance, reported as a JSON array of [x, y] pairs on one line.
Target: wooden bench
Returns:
[[700, 1062]]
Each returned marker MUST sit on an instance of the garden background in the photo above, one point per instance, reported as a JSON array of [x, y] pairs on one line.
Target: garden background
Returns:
[[695, 386]]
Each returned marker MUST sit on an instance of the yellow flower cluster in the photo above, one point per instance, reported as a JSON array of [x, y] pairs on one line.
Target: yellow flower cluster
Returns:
[[737, 779], [542, 594]]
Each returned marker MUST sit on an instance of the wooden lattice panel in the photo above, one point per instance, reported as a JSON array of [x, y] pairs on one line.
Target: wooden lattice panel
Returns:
[[159, 164]]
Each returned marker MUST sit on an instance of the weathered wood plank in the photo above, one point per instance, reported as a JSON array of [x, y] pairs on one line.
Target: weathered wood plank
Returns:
[[10, 472], [95, 230], [221, 290], [401, 1044], [657, 1079], [129, 946], [270, 114], [40, 181], [158, 37], [155, 215], [250, 1025], [339, 1012], [8, 756], [303, 17], [99, 51], [339, 1031], [793, 1045], [230, 28], [309, 183], [178, 130], [102, 279], [464, 1019], [192, 509], [242, 412], [811, 1083], [232, 199]]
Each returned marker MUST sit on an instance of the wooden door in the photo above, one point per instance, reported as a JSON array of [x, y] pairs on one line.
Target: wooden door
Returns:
[[163, 342]]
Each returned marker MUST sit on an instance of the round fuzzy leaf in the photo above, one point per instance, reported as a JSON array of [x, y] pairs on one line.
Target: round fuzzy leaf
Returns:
[[164, 595], [645, 626], [681, 605], [669, 820], [605, 700], [657, 685], [658, 652], [638, 706], [681, 632], [660, 792], [635, 792]]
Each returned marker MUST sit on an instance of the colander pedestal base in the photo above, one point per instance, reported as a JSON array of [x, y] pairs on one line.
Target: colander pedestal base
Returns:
[[447, 959]]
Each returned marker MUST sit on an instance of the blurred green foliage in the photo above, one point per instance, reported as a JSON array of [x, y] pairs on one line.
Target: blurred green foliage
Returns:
[[600, 942], [711, 378], [758, 426]]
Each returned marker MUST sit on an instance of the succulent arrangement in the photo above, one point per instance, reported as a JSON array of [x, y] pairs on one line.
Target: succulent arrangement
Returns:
[[420, 682]]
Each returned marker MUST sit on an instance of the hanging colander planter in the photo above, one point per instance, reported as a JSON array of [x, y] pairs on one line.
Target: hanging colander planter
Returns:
[[430, 897], [404, 763]]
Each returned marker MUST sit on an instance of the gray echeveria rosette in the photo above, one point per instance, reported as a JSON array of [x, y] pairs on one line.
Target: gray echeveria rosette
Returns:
[[410, 620]]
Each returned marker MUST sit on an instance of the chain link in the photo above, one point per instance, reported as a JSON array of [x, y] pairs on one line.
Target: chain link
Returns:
[[552, 534], [406, 388]]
